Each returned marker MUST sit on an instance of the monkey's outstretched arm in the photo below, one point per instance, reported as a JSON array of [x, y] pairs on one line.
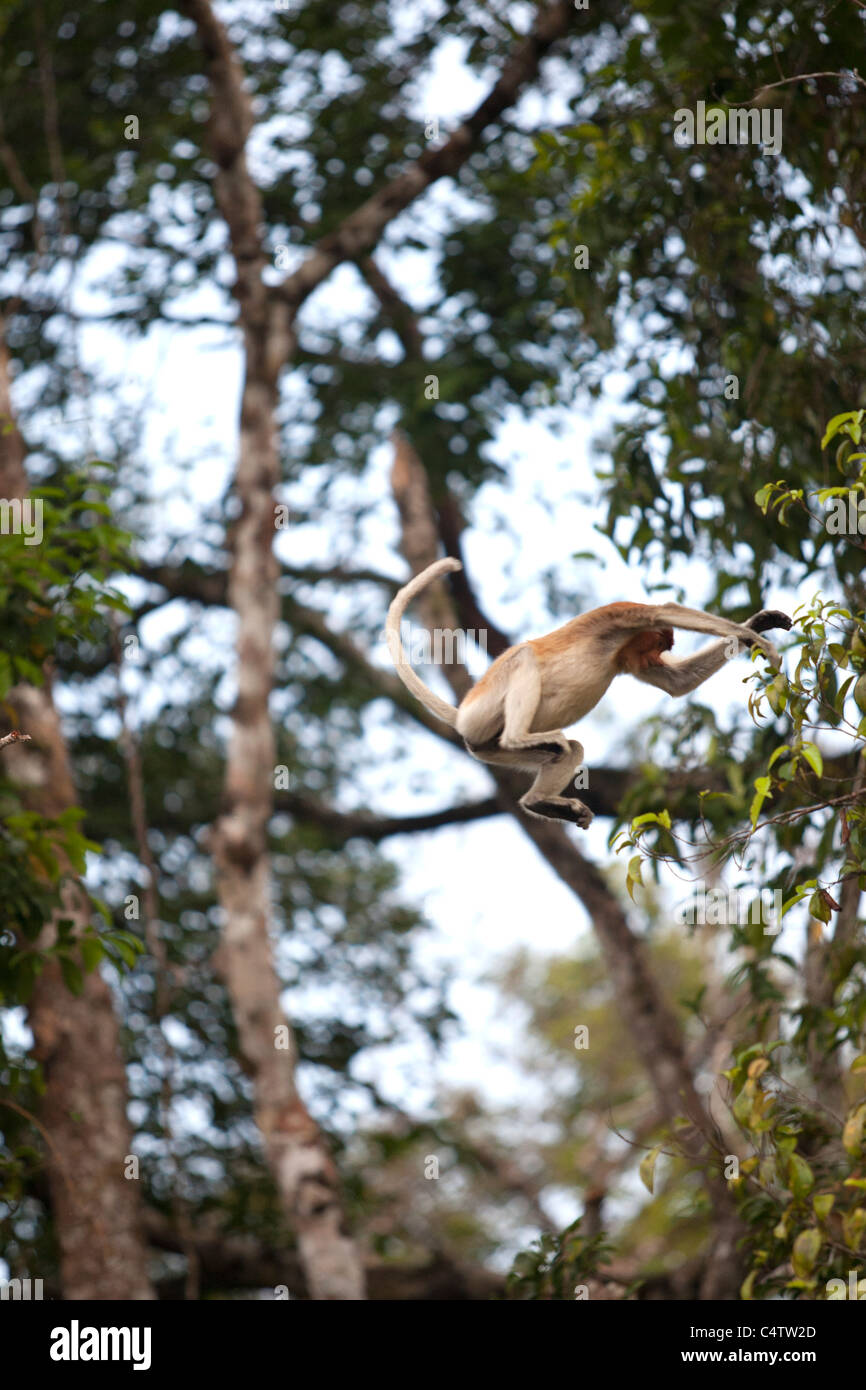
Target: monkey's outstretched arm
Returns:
[[618, 618], [679, 677]]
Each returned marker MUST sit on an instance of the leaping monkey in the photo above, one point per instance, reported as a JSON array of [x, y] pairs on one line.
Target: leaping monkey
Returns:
[[514, 715]]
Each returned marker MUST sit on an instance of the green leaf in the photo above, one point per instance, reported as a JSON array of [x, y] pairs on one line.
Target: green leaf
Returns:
[[633, 876], [743, 1105], [823, 1204], [123, 949], [837, 423], [762, 792], [652, 818], [647, 1167], [852, 1134], [72, 976], [819, 908], [825, 493], [778, 753], [763, 495], [92, 952], [805, 1253], [853, 1225], [801, 1179], [812, 754]]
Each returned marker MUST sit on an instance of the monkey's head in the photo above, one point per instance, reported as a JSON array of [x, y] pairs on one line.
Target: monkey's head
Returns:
[[645, 649]]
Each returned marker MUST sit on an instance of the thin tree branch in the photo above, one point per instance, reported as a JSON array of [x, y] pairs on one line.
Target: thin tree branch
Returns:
[[805, 76], [242, 1262], [358, 825], [22, 186], [14, 737]]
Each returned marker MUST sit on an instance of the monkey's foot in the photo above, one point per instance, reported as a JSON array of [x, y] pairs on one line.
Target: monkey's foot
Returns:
[[559, 808]]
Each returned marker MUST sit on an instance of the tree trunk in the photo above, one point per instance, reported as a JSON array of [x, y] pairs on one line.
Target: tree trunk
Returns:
[[83, 1116], [295, 1148]]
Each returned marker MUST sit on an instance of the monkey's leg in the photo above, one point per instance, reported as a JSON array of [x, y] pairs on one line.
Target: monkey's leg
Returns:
[[521, 702], [546, 797]]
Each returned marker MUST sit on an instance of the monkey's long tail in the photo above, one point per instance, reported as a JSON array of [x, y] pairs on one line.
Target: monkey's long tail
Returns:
[[447, 713]]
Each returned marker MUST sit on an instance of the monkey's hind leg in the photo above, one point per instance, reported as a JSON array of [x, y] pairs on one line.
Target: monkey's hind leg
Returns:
[[519, 708], [546, 797]]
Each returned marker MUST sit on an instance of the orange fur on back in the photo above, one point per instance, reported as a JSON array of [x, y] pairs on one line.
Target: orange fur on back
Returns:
[[600, 622]]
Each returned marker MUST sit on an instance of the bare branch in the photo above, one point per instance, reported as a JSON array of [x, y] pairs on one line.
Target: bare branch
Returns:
[[243, 1262], [805, 76], [14, 737], [359, 825]]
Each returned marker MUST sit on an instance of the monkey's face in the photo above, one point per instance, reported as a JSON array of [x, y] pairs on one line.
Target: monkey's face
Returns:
[[645, 649], [665, 642]]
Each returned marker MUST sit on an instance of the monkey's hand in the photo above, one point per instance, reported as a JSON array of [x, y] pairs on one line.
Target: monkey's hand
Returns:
[[767, 618]]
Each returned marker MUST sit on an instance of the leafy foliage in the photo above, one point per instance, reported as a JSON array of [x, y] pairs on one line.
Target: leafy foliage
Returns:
[[555, 1267]]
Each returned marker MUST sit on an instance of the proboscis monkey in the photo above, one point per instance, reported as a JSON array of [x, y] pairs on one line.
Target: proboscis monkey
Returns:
[[515, 714]]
